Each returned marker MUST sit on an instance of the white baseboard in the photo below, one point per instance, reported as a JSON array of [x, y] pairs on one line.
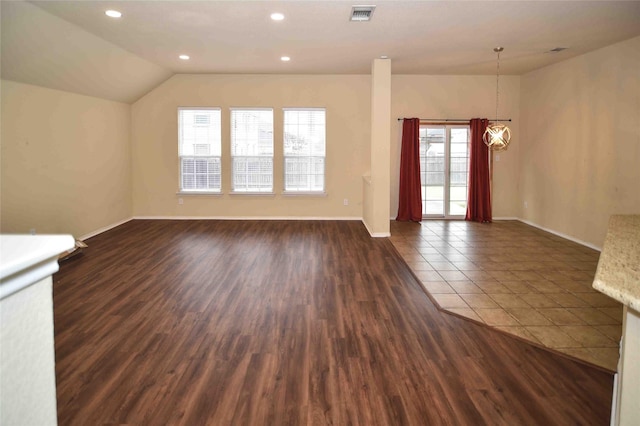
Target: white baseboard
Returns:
[[560, 234], [535, 225], [103, 229], [462, 218], [380, 234], [246, 218], [373, 234], [113, 225], [376, 234], [367, 226]]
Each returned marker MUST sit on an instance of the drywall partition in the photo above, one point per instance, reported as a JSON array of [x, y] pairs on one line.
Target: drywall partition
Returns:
[[27, 349], [580, 150], [346, 99], [377, 180], [65, 161], [460, 96]]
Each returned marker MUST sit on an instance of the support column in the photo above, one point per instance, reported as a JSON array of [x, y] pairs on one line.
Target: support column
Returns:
[[377, 200]]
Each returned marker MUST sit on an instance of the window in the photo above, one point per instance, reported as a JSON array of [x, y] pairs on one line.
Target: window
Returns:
[[304, 150], [444, 170], [252, 150], [199, 149]]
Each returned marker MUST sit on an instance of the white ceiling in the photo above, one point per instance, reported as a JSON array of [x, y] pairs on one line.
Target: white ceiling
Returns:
[[420, 37], [40, 49]]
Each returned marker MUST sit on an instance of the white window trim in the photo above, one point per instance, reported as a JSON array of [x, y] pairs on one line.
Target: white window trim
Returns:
[[252, 193], [304, 194], [231, 156], [304, 109], [290, 193], [199, 191], [447, 171]]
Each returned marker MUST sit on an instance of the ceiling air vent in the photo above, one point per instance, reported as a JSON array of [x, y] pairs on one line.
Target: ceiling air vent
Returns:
[[362, 13]]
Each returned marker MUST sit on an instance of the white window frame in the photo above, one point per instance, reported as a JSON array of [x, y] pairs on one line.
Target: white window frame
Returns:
[[182, 157], [261, 159], [311, 158], [447, 169]]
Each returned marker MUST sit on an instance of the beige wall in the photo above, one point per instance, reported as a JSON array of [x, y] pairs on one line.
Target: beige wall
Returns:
[[580, 150], [425, 96], [347, 100], [65, 161]]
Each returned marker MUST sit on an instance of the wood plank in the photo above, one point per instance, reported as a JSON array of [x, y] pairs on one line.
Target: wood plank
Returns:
[[275, 322]]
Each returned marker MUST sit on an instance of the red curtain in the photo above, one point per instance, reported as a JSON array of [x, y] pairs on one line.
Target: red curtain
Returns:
[[479, 199], [410, 203]]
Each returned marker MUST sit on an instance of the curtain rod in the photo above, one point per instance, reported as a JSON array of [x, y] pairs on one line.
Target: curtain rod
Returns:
[[453, 119]]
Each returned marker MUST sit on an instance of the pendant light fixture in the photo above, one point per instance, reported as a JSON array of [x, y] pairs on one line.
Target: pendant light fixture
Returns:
[[497, 136]]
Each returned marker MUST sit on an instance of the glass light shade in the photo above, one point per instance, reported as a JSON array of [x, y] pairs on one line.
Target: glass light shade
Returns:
[[497, 137]]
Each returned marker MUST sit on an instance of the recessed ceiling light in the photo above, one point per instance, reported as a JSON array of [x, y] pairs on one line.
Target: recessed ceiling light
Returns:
[[285, 59], [113, 13], [184, 57], [277, 16]]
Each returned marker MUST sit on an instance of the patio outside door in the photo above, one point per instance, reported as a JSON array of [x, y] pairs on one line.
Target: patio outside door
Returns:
[[444, 170]]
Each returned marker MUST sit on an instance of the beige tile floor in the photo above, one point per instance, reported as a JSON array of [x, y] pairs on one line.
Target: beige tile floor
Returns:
[[518, 279]]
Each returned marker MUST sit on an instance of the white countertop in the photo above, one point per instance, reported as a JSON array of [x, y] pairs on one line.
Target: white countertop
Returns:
[[26, 259], [618, 274]]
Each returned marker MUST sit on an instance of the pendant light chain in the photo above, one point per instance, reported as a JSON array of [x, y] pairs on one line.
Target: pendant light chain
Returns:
[[497, 87], [497, 136]]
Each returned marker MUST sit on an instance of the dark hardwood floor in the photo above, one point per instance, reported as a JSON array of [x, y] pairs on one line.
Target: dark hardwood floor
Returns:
[[287, 323]]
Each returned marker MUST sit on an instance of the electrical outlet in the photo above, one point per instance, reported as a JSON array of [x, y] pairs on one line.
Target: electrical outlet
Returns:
[[497, 157], [32, 231], [180, 201], [345, 201], [526, 204]]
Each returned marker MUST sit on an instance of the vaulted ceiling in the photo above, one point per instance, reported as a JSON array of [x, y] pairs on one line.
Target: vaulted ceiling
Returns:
[[73, 46]]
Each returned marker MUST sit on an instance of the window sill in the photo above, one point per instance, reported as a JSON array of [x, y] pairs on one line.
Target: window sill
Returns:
[[199, 193], [304, 194], [252, 194]]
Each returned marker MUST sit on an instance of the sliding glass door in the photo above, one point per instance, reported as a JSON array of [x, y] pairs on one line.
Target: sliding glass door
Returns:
[[444, 170]]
